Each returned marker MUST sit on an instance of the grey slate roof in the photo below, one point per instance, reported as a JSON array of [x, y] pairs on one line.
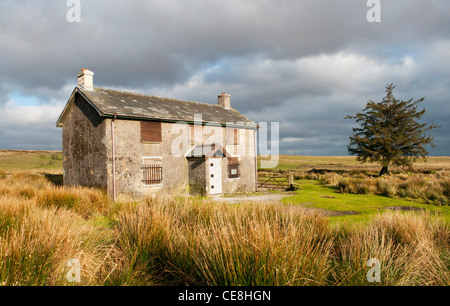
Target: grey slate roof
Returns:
[[128, 105]]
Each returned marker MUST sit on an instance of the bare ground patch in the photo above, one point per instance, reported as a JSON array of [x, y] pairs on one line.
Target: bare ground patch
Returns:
[[269, 197], [327, 212], [404, 208]]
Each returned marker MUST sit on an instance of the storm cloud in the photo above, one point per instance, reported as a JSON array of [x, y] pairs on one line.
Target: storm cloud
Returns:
[[305, 64]]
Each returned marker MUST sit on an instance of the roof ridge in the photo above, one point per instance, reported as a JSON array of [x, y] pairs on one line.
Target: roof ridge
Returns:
[[153, 96]]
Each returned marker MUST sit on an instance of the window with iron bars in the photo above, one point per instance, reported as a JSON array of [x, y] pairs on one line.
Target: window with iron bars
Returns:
[[152, 172]]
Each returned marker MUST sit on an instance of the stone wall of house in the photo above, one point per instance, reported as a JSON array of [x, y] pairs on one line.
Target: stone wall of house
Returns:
[[245, 151], [84, 152], [130, 151]]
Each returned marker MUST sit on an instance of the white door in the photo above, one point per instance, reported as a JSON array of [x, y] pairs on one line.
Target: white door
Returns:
[[215, 175]]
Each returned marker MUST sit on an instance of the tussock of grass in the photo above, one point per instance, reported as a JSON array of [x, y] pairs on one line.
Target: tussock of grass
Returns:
[[430, 188], [84, 201], [412, 249], [260, 249], [37, 243]]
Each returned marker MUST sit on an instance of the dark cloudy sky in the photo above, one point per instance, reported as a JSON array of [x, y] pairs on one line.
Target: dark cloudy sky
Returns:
[[305, 64]]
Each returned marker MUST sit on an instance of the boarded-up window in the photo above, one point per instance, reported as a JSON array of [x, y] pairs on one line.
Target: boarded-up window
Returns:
[[232, 136], [233, 167], [152, 171], [150, 131]]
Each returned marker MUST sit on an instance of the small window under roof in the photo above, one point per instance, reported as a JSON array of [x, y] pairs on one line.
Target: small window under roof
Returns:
[[151, 131]]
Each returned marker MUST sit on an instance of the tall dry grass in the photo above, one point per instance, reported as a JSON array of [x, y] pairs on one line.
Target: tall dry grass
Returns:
[[42, 227], [413, 251], [171, 241], [429, 188], [37, 243], [24, 185], [181, 242], [214, 244]]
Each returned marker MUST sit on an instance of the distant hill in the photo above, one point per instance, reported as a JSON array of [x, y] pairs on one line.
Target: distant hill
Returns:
[[51, 161], [349, 163], [31, 160]]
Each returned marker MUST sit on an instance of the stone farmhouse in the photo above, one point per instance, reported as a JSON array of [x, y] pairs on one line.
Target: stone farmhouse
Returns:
[[136, 144]]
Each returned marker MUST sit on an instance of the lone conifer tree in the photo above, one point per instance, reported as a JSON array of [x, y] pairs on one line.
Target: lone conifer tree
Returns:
[[390, 133]]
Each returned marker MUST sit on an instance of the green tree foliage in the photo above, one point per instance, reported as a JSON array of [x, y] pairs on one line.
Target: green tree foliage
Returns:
[[389, 132]]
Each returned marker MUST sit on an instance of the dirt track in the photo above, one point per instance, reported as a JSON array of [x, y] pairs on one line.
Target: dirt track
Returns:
[[270, 197]]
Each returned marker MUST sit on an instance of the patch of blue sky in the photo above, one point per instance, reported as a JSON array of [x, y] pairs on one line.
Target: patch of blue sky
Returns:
[[396, 55], [23, 100]]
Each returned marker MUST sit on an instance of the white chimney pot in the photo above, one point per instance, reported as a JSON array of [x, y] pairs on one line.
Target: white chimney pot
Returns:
[[86, 79], [224, 100]]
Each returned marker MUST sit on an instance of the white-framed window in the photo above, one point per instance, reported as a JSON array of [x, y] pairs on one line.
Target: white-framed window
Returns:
[[152, 173]]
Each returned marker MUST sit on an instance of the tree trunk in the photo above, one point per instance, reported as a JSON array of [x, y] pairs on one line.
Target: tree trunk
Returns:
[[384, 171]]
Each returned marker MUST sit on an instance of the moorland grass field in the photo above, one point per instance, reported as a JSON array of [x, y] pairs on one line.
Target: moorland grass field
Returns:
[[30, 160], [350, 164], [169, 240], [52, 161], [348, 208], [342, 184]]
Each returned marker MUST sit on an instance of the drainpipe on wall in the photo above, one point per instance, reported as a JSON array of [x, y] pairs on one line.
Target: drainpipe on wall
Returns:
[[113, 160], [256, 161]]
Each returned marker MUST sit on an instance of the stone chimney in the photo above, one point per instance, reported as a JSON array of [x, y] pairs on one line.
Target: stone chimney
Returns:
[[86, 79], [224, 100]]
